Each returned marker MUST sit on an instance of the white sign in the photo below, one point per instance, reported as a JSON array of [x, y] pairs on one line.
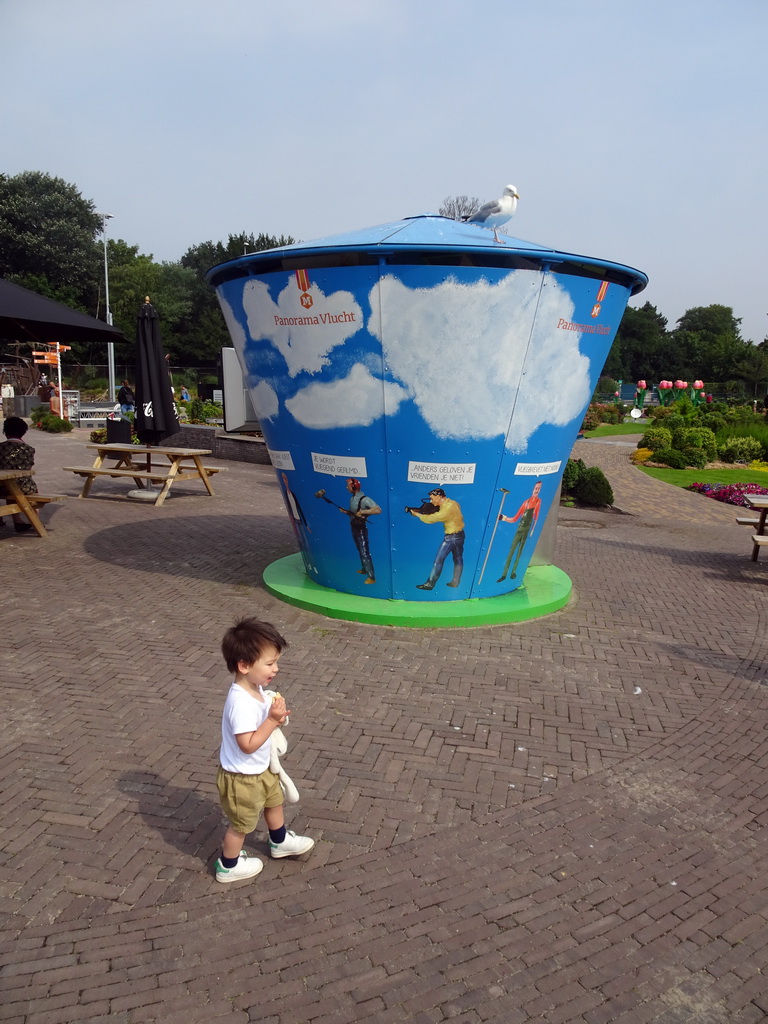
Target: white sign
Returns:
[[281, 460], [339, 465], [441, 472], [537, 468]]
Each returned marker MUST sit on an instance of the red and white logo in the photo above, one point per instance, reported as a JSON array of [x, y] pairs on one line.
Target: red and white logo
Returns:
[[600, 296], [302, 280]]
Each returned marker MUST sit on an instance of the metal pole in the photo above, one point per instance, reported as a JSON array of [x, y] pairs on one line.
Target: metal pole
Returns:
[[110, 345], [61, 386], [504, 493]]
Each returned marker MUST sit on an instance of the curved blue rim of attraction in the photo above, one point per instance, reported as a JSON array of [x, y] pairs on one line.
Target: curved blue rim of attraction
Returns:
[[425, 233], [546, 589]]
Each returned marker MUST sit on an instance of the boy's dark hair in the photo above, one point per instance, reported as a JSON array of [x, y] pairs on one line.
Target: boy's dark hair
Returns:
[[247, 640], [14, 426]]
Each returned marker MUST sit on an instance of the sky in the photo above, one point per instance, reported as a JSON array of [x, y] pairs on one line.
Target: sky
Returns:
[[634, 133]]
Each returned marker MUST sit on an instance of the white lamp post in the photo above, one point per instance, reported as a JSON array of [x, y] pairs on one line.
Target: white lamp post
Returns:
[[110, 345]]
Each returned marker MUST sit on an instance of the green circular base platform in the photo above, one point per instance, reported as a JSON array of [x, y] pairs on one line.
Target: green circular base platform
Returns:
[[545, 589]]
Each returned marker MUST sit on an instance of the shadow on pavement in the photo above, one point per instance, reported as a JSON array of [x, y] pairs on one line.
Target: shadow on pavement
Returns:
[[228, 549], [186, 819]]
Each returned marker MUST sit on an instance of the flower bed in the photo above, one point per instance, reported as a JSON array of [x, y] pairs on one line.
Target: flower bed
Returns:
[[733, 494]]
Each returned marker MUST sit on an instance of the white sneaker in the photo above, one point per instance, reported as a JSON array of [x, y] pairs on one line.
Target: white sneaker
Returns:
[[291, 846], [246, 867]]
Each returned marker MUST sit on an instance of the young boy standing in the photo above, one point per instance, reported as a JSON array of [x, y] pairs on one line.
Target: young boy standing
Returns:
[[246, 786]]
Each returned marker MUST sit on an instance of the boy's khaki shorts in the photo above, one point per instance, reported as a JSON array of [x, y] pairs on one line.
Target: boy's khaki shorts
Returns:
[[244, 797]]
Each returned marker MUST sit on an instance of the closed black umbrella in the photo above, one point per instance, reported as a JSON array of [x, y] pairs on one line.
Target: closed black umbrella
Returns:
[[155, 417]]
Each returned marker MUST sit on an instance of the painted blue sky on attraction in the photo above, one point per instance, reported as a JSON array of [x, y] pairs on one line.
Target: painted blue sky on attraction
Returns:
[[414, 376], [463, 385]]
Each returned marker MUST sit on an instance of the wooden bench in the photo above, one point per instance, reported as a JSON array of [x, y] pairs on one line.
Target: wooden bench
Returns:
[[758, 540], [21, 503], [747, 521], [35, 500]]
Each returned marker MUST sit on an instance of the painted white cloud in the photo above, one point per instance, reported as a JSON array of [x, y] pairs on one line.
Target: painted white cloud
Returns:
[[460, 349], [352, 401], [303, 336], [235, 328], [263, 395], [265, 401]]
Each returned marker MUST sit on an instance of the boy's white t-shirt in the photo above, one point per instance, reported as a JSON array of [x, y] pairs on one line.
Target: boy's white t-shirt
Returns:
[[243, 713]]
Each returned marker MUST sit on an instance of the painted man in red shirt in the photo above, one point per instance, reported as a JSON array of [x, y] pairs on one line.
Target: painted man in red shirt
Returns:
[[528, 514]]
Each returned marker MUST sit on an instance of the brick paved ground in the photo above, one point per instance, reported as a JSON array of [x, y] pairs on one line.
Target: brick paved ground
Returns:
[[506, 830]]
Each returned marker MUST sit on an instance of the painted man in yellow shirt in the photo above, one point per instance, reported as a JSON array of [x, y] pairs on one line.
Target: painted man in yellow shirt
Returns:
[[449, 514]]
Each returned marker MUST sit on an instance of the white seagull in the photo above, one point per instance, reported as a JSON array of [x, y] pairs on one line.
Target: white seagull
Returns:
[[497, 212]]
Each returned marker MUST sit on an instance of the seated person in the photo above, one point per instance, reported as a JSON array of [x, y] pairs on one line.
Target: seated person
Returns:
[[17, 454], [126, 398]]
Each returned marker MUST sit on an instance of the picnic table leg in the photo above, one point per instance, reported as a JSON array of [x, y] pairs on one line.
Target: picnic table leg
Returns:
[[89, 479], [24, 506], [86, 486], [761, 524], [167, 485], [203, 475], [126, 462]]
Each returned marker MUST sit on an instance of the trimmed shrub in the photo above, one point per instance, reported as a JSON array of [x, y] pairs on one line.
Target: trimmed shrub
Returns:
[[712, 420], [757, 430], [572, 473], [196, 411], [655, 438], [675, 421], [641, 455], [592, 487], [670, 457], [54, 424], [696, 437], [741, 449], [696, 458]]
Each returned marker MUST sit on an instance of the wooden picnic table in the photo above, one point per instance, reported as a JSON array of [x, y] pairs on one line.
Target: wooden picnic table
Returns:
[[21, 502], [135, 462], [758, 502]]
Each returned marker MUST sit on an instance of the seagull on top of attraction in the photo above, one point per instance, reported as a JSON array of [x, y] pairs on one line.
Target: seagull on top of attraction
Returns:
[[497, 212]]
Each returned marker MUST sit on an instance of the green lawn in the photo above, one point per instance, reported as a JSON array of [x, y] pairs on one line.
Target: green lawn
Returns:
[[683, 477], [607, 429]]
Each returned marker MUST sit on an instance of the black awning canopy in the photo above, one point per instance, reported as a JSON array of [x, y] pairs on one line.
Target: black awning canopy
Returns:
[[27, 316]]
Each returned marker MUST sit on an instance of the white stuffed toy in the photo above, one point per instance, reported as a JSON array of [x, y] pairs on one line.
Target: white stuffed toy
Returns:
[[278, 750]]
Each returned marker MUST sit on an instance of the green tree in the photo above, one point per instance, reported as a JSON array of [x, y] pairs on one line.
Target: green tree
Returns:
[[752, 368], [205, 333], [708, 343], [641, 347], [48, 238], [170, 289]]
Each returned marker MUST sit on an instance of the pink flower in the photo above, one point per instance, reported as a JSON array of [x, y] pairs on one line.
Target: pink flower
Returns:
[[679, 384], [698, 384], [641, 384]]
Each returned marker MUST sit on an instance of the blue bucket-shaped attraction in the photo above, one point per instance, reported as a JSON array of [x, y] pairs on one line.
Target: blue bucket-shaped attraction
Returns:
[[420, 387]]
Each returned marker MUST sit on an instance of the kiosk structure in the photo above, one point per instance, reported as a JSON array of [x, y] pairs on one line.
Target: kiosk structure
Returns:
[[420, 387]]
